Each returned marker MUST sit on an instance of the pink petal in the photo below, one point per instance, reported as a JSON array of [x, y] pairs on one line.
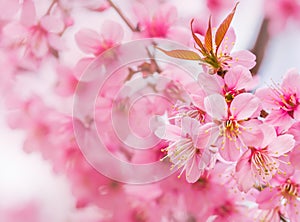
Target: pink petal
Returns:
[[56, 42], [197, 96], [244, 106], [243, 172], [268, 198], [167, 13], [279, 118], [211, 83], [269, 134], [168, 132], [67, 82], [81, 66], [238, 77], [267, 96], [112, 31], [207, 134], [190, 126], [192, 172], [179, 34], [297, 113], [52, 24], [244, 58], [88, 40], [228, 42], [281, 145], [231, 150], [140, 12], [8, 9], [290, 81], [39, 44], [295, 131], [14, 31], [252, 134], [216, 106], [28, 14]]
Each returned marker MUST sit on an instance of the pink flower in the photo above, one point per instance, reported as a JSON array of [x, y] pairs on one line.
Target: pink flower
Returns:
[[238, 79], [186, 149], [66, 82], [259, 164], [284, 195], [161, 23], [217, 7], [39, 36], [233, 127], [282, 101], [280, 12], [89, 41], [224, 59]]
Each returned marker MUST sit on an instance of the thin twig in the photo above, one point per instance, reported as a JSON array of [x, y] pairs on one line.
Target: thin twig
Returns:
[[51, 6], [128, 23], [260, 45]]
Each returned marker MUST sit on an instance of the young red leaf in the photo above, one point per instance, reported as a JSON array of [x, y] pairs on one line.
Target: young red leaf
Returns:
[[208, 37], [181, 54], [223, 28], [198, 41]]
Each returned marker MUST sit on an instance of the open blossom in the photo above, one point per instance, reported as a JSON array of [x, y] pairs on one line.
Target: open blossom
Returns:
[[90, 41], [279, 12], [282, 101], [259, 164], [39, 35], [237, 80], [215, 50], [223, 59], [284, 194], [186, 149], [217, 7], [161, 23], [233, 127]]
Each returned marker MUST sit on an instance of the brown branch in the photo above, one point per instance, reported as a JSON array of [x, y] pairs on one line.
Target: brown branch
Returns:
[[260, 45], [125, 19], [51, 6]]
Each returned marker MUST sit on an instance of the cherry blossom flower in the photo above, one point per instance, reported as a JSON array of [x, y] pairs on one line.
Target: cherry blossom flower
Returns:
[[260, 164], [282, 101], [237, 80], [284, 194], [186, 150], [233, 127], [217, 7], [161, 23], [279, 12], [38, 37], [89, 41], [215, 53]]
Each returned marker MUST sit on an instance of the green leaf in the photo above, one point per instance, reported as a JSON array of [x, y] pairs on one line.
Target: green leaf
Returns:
[[223, 28], [181, 54]]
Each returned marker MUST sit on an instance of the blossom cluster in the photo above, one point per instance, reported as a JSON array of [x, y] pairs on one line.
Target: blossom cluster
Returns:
[[255, 133], [238, 147]]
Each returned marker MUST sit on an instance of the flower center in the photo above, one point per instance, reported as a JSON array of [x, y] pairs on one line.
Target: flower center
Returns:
[[190, 111], [288, 103], [289, 189], [230, 129], [264, 165], [225, 210]]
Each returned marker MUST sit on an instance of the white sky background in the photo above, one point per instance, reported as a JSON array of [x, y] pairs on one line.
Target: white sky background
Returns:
[[24, 177]]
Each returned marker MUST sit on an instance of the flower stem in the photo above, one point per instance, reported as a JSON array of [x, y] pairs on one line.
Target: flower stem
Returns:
[[125, 19]]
